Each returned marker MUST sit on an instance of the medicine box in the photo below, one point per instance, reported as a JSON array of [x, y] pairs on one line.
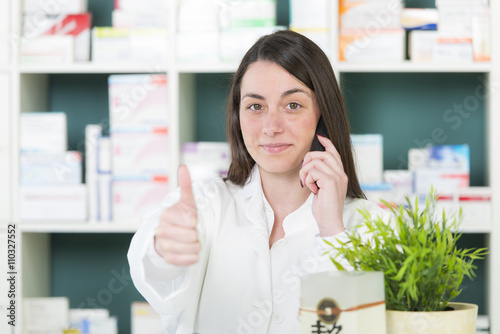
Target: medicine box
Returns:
[[46, 315], [206, 159], [43, 132], [201, 16], [143, 152], [48, 49], [138, 100], [75, 25], [145, 320], [422, 45], [93, 321], [370, 15], [138, 5], [134, 45], [235, 42], [312, 15], [53, 203], [139, 19], [55, 7], [134, 198], [368, 157], [380, 45], [251, 13], [51, 168]]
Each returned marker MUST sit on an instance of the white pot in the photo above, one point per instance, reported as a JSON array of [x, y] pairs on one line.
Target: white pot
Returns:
[[461, 320]]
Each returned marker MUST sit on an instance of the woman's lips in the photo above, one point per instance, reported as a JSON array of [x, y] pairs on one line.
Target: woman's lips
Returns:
[[275, 148]]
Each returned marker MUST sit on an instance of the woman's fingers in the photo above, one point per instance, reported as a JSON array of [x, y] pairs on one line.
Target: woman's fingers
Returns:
[[176, 238]]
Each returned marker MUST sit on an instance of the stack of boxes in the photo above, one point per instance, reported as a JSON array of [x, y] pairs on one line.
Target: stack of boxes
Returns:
[[139, 131], [138, 34], [462, 33], [56, 31], [213, 31], [53, 315], [197, 31], [51, 186], [243, 22], [370, 30], [313, 20]]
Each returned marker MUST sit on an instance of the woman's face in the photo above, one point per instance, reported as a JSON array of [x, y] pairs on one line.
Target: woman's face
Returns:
[[278, 117]]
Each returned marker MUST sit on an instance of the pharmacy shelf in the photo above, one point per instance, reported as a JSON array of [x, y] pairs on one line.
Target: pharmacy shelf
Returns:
[[221, 67], [89, 67], [409, 67], [77, 227]]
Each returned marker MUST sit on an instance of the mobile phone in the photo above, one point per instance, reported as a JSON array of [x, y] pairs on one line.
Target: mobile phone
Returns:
[[320, 129]]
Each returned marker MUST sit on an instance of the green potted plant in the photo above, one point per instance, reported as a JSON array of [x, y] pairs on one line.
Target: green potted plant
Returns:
[[422, 265]]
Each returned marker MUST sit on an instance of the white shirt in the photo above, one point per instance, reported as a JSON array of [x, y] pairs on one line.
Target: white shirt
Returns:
[[239, 285]]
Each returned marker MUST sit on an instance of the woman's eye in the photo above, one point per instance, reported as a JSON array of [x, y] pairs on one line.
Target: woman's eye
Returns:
[[293, 105], [255, 107]]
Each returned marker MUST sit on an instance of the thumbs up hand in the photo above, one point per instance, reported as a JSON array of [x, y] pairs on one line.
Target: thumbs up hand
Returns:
[[176, 238]]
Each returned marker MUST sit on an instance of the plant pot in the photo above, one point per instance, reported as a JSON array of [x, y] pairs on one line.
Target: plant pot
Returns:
[[461, 320]]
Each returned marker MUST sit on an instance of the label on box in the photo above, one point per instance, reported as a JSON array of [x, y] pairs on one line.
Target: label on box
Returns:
[[43, 132], [138, 100], [132, 199], [141, 153], [64, 168]]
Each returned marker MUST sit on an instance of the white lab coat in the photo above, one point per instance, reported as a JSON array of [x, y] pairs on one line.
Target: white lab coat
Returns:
[[239, 285]]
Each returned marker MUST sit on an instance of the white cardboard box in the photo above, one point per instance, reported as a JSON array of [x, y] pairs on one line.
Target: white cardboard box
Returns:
[[75, 25], [53, 203], [56, 168], [145, 320], [46, 315], [141, 153], [48, 49], [368, 157], [206, 159], [252, 13], [92, 134], [133, 45], [137, 100], [55, 7], [137, 5], [139, 19], [309, 14], [380, 45], [132, 199], [235, 42], [43, 132], [201, 16], [422, 44]]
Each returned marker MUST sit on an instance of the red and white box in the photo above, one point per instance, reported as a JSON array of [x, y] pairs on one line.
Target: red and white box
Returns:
[[76, 26]]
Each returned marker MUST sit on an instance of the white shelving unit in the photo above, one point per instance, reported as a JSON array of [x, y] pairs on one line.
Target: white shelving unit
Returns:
[[25, 87]]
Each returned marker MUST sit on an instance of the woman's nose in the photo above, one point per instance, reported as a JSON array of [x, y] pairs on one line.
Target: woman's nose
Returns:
[[273, 122]]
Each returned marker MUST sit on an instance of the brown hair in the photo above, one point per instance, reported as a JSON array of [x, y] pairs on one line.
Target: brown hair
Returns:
[[303, 59]]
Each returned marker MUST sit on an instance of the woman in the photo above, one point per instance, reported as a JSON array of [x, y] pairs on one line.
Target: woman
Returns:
[[226, 256]]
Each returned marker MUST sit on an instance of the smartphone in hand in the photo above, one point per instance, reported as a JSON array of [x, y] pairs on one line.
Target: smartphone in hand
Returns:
[[320, 129]]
